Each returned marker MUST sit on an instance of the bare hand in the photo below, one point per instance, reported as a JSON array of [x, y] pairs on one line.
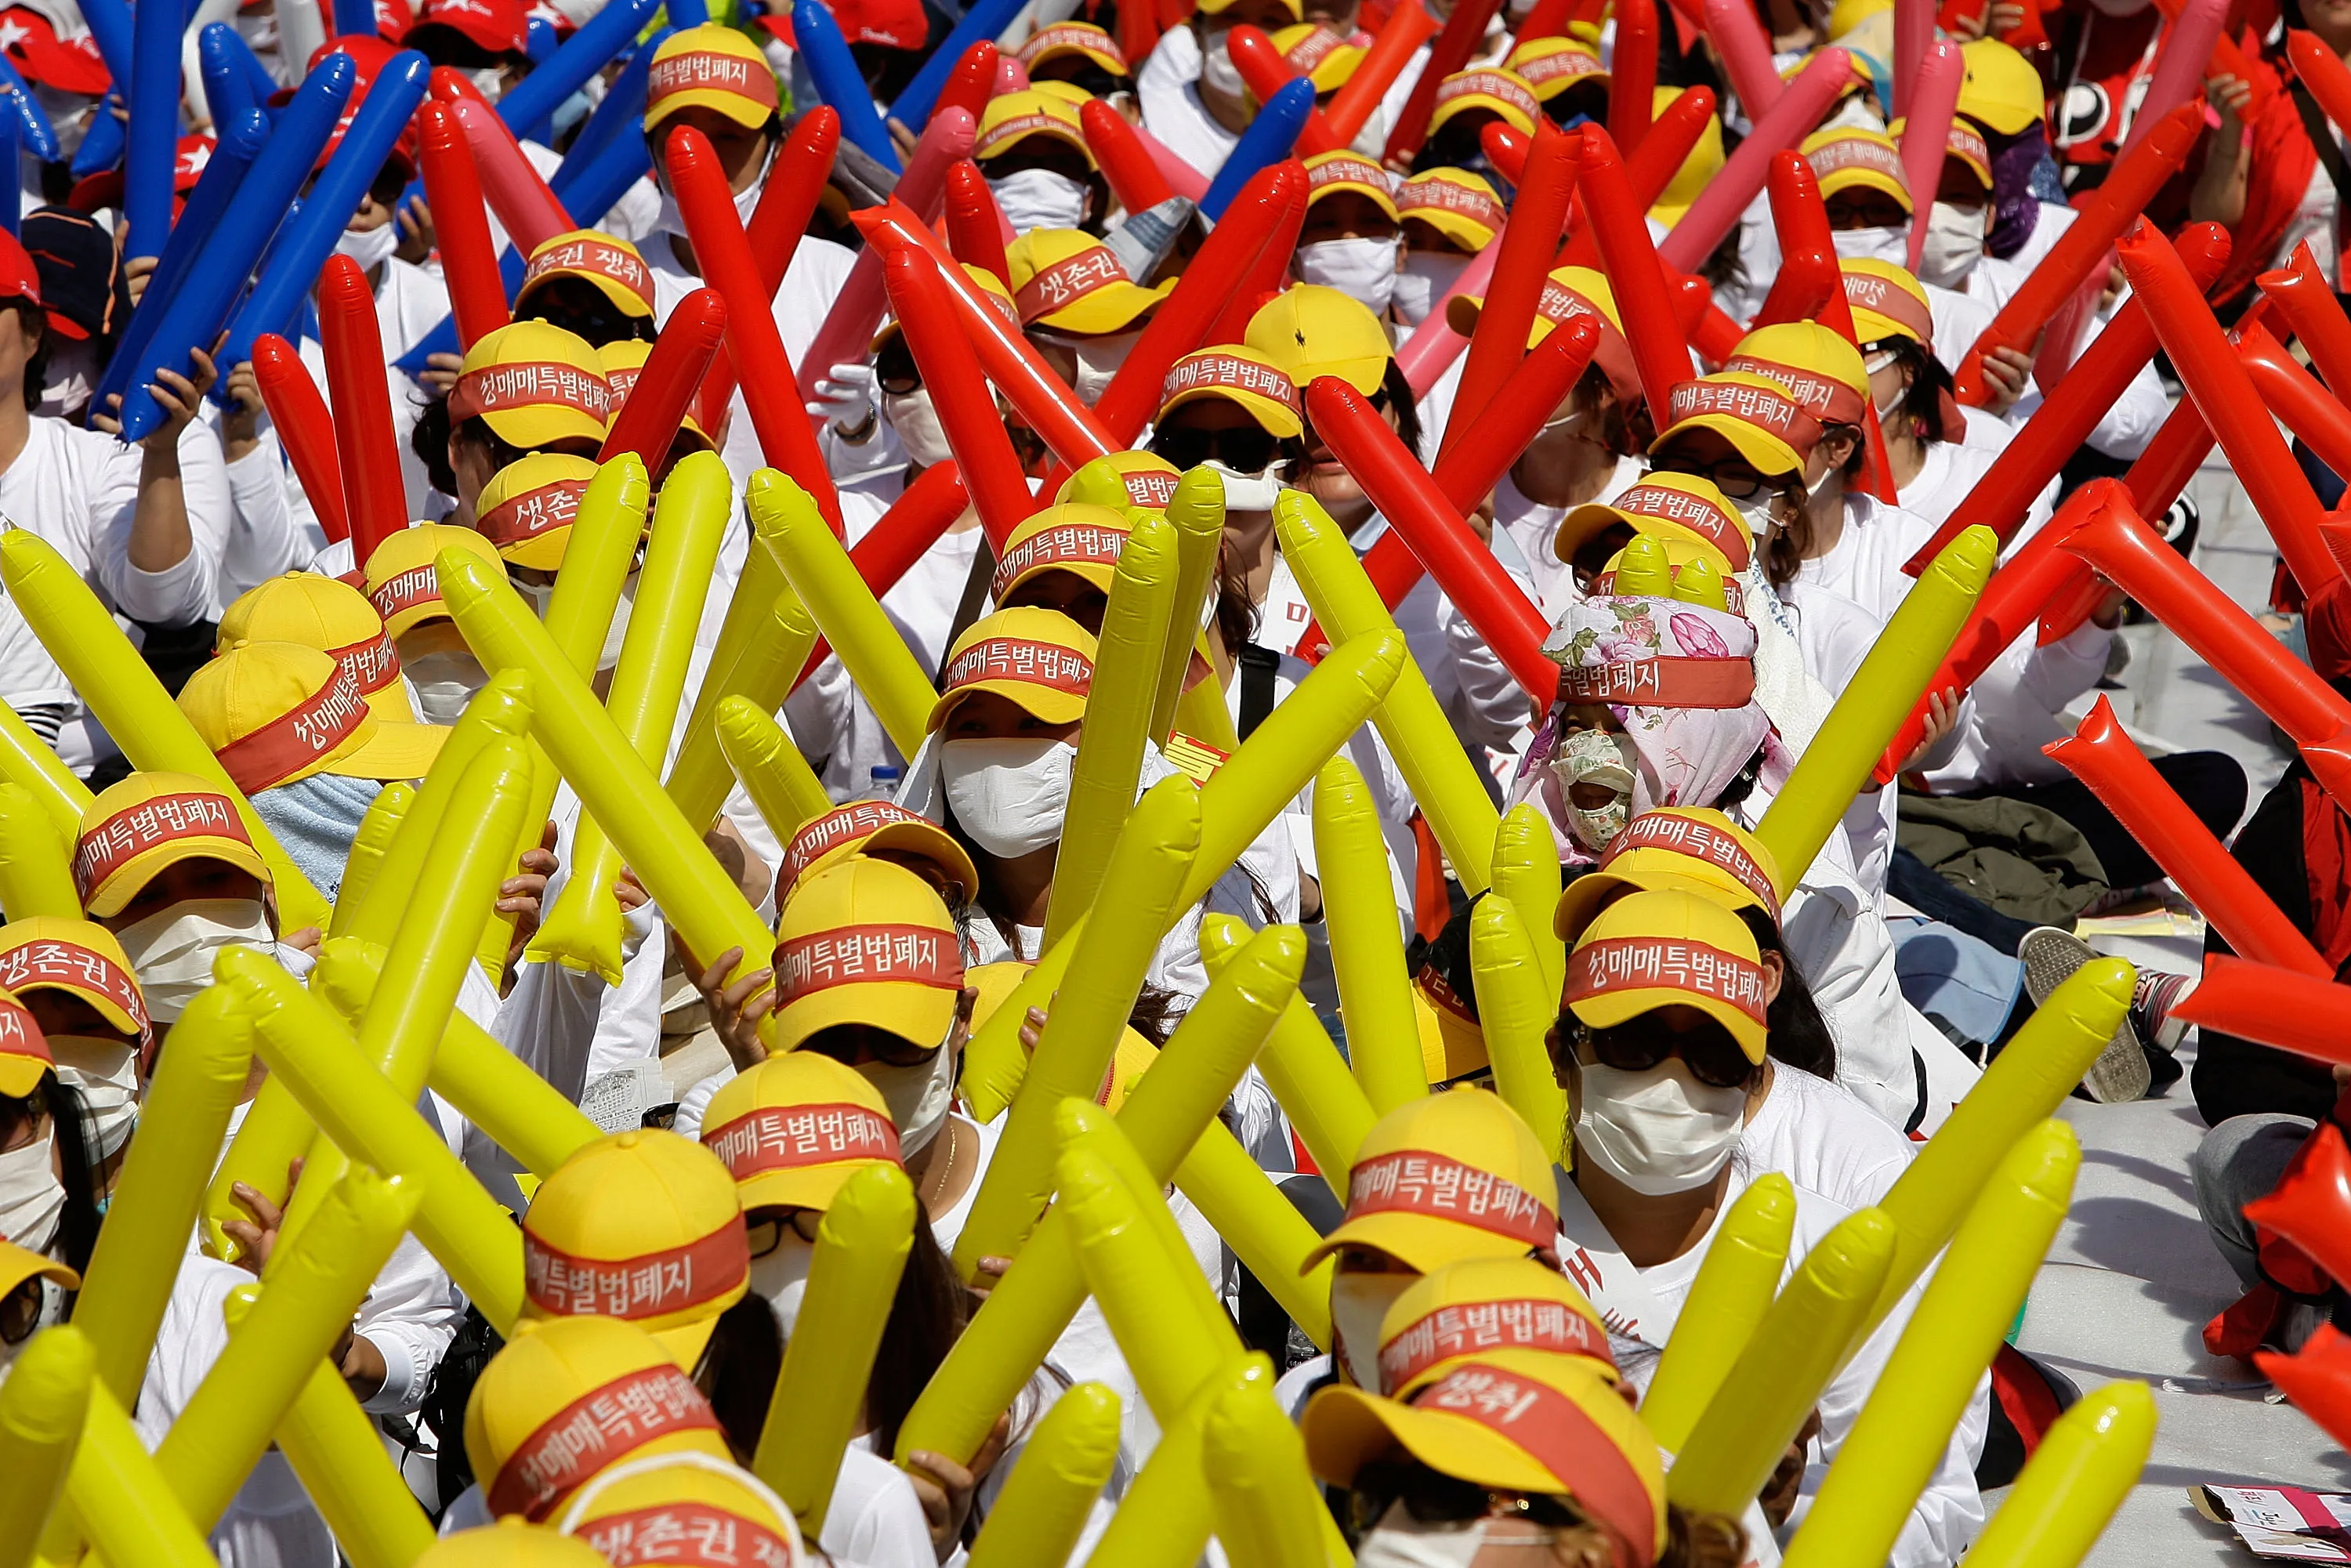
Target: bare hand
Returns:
[[1032, 1030], [416, 235], [2231, 95], [241, 424], [2006, 373], [305, 940], [992, 1268], [1942, 716], [440, 372], [135, 274], [254, 1237], [523, 896], [736, 1009], [1778, 1498], [947, 1488]]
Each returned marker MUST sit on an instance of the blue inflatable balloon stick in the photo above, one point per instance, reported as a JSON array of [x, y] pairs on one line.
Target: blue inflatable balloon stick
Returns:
[[534, 99], [840, 83], [154, 130], [1267, 139], [987, 20]]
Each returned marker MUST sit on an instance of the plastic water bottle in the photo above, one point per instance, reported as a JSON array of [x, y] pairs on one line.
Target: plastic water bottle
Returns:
[[884, 783]]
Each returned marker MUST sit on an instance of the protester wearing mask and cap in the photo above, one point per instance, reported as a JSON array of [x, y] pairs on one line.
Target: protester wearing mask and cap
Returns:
[[57, 57], [404, 587], [1078, 305], [1192, 95], [1349, 241], [1567, 76], [1660, 1047], [594, 285], [1081, 55], [2002, 95], [1034, 153], [1446, 217], [1467, 102], [33, 1293], [54, 1182], [331, 615]]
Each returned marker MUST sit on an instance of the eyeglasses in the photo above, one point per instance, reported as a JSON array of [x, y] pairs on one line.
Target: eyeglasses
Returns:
[[1431, 1497], [1640, 1044], [764, 1229], [1246, 450]]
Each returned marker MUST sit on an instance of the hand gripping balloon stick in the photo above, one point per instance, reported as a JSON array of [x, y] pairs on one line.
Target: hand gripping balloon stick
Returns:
[[1036, 1519], [2087, 246], [2022, 1088], [2311, 1204], [1263, 1227], [1456, 42], [861, 1250], [461, 225], [1651, 326], [1256, 782], [1162, 1118], [1108, 766], [42, 1406], [2285, 1008], [2318, 1379], [648, 420], [759, 681], [375, 497], [35, 877], [2308, 301], [113, 1488], [276, 1132], [772, 771], [1795, 1350], [1880, 696], [1901, 1435], [701, 900], [975, 226], [337, 1454], [1366, 941], [1522, 265], [1795, 116], [27, 762], [1735, 1284], [585, 928], [304, 428], [841, 84], [1515, 1008], [753, 342], [846, 611], [1265, 72], [2308, 409], [81, 635], [1310, 1078], [1267, 1504], [2224, 395], [1166, 1516], [1932, 86], [1391, 48], [1135, 182], [975, 432], [2087, 1462], [1148, 867], [1526, 871], [1196, 512], [306, 1304]]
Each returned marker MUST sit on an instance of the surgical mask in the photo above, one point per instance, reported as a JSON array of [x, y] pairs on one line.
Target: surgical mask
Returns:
[[1873, 245], [104, 1072], [31, 1196], [1364, 268], [1249, 492], [1217, 71], [670, 220], [1358, 1303], [618, 631], [916, 421], [369, 248], [1040, 199], [444, 684], [489, 79], [1595, 756], [1010, 795], [1955, 242], [1658, 1132], [172, 951], [918, 1095], [1756, 513], [1425, 278], [780, 1279], [1098, 362], [1400, 1540]]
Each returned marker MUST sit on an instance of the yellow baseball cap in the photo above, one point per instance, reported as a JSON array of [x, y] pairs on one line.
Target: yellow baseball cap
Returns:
[[1675, 506], [715, 67], [529, 506], [1813, 363], [1698, 166], [1065, 38], [1686, 849], [624, 360], [1553, 65], [684, 1508], [1012, 118], [1308, 330], [1319, 55], [1072, 537], [1248, 378], [1446, 1178], [1568, 292], [1502, 93], [276, 712], [19, 1264], [1887, 301], [509, 1544], [1131, 1058], [642, 1225], [1962, 142], [570, 1396], [403, 582], [1676, 569], [533, 384], [1847, 158], [1072, 281], [793, 1128], [608, 264], [868, 828], [1847, 15], [1329, 173], [2000, 91], [1069, 92], [866, 942], [137, 826], [1452, 1039], [1458, 205], [79, 957], [991, 288], [1755, 414], [1651, 950], [1038, 658], [331, 615], [1506, 1312], [1142, 480]]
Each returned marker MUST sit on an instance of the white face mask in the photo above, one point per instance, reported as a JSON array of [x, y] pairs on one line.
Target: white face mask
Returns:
[[780, 1279], [1595, 756], [1249, 492], [1854, 112], [1010, 795], [746, 201], [1427, 274], [1098, 362], [444, 684], [1658, 1132], [1364, 268], [619, 629], [31, 1196], [1955, 242], [919, 1097], [1873, 245], [172, 951], [369, 248], [916, 422], [1040, 199], [1756, 512], [105, 1072], [490, 80], [1358, 1303], [1217, 71], [1400, 1540], [71, 378]]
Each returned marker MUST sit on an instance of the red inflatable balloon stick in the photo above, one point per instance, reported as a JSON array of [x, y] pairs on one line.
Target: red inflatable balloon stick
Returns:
[[2102, 756], [1463, 31], [1408, 497], [974, 227], [304, 428], [375, 497], [1633, 75], [969, 86], [1265, 275], [753, 342], [461, 225], [1265, 72], [1182, 178], [794, 181], [1914, 34], [1522, 267], [530, 212], [967, 410], [2314, 316], [1796, 115], [1506, 148], [2306, 407], [2318, 1379], [1746, 54], [1135, 180], [2285, 1008], [656, 402], [2311, 1204], [916, 521], [1399, 38], [1644, 301]]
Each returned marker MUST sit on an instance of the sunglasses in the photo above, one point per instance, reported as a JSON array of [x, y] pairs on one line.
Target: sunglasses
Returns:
[[1246, 450], [765, 1229], [1736, 481], [1432, 1498], [1640, 1044], [20, 1312], [894, 371]]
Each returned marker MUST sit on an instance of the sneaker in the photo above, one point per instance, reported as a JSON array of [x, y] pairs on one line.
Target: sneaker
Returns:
[[2121, 1073], [2153, 998]]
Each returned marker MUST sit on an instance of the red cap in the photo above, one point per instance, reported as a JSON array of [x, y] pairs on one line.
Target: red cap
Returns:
[[19, 280], [104, 189], [33, 47], [370, 55], [894, 24], [498, 26]]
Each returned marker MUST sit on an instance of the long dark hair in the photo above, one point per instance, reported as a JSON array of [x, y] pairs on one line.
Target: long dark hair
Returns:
[[1922, 399], [77, 1169], [1795, 1034]]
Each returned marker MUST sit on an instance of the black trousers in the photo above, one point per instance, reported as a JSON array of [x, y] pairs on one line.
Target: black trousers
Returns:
[[2212, 783]]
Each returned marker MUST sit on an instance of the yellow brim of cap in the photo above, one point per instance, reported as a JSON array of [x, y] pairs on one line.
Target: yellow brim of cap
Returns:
[[1273, 417], [917, 1013], [1421, 1240], [1112, 308], [19, 1264], [931, 843], [1116, 67], [1766, 452], [20, 1075], [541, 552], [1669, 212], [1517, 119], [742, 111], [1347, 1428], [1869, 327], [1378, 197], [123, 884], [1451, 1047], [1610, 1008], [1459, 227], [1580, 524], [1867, 180], [1059, 133], [391, 704], [108, 1008], [1331, 71], [1041, 702], [543, 424], [1099, 573], [809, 1186], [384, 751]]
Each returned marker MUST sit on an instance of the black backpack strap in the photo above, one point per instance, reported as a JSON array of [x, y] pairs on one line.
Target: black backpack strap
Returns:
[[1258, 665]]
